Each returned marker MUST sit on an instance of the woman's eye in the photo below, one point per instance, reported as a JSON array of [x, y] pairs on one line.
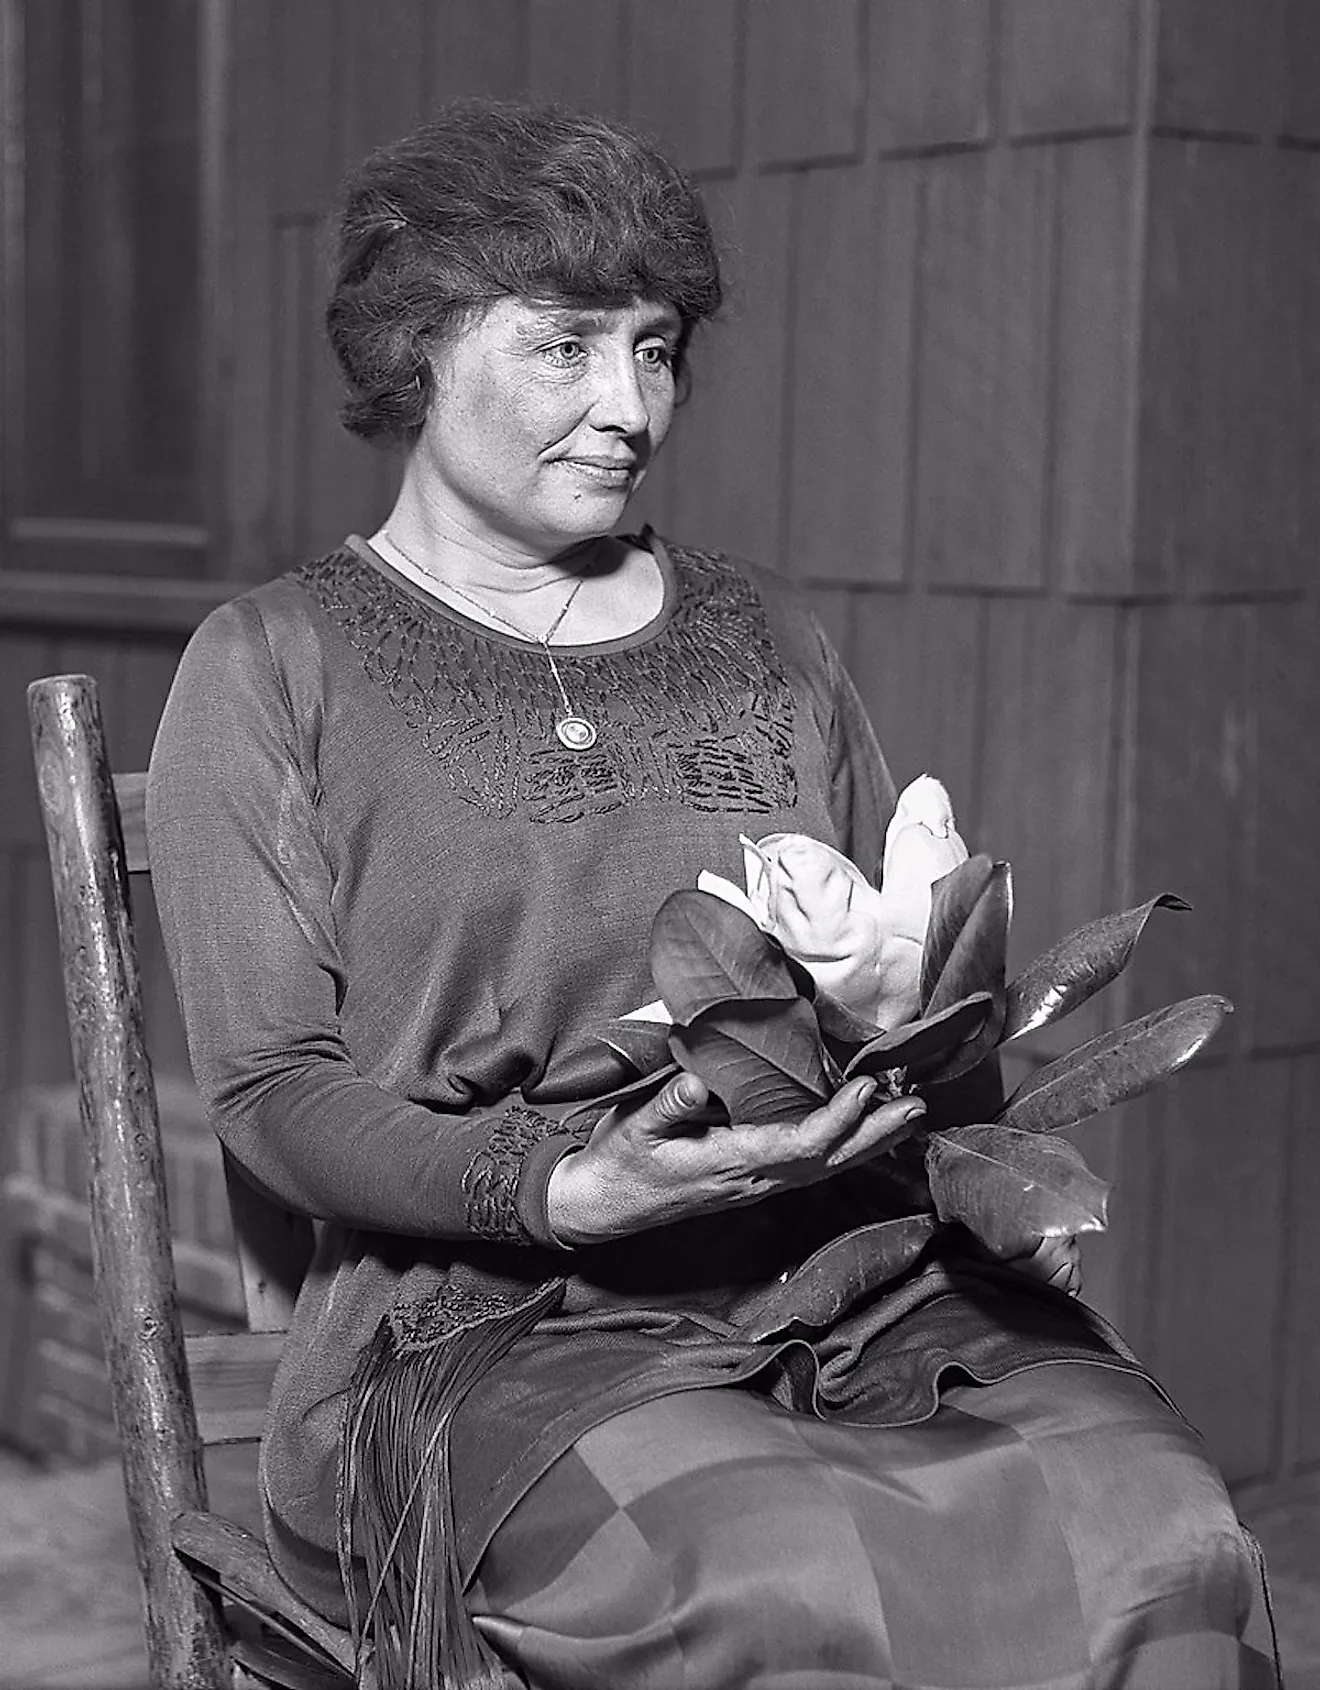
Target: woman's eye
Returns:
[[566, 353], [656, 355]]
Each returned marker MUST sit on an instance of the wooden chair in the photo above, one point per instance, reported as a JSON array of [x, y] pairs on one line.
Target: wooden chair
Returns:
[[216, 1614]]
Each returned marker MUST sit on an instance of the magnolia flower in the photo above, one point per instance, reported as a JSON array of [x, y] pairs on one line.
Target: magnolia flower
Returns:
[[859, 943]]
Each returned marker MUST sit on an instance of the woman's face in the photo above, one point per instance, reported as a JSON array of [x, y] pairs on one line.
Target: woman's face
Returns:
[[544, 420]]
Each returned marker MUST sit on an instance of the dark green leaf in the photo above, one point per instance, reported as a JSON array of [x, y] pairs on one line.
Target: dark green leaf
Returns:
[[840, 1272], [1010, 1187], [967, 940], [1114, 1067], [706, 952], [643, 1043], [839, 1023], [1077, 967], [926, 1045], [762, 1060]]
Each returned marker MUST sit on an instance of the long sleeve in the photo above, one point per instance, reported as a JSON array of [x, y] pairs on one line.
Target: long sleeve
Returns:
[[246, 891]]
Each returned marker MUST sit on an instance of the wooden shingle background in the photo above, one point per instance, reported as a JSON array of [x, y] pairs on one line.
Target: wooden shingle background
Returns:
[[1018, 380]]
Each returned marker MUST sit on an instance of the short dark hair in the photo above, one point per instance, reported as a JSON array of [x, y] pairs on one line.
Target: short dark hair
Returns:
[[493, 199]]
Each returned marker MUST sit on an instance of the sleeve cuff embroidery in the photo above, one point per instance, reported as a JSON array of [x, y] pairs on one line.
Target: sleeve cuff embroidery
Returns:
[[500, 1204]]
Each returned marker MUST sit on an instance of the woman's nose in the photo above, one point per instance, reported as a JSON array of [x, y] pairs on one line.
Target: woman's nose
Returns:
[[620, 404]]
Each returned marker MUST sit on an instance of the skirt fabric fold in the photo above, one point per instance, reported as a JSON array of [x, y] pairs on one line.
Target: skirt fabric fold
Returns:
[[1061, 1529]]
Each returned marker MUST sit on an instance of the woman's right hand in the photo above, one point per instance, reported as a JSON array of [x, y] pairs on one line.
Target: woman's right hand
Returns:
[[666, 1160]]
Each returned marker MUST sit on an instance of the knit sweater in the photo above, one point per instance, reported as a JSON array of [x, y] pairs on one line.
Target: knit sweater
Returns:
[[398, 910]]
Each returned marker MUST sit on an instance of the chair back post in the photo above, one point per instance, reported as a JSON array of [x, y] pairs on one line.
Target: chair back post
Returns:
[[130, 1235]]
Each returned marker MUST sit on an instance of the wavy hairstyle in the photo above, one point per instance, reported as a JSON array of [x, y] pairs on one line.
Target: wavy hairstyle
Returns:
[[494, 199]]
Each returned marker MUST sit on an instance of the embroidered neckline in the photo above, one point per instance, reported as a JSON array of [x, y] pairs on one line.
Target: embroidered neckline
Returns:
[[647, 540], [701, 713]]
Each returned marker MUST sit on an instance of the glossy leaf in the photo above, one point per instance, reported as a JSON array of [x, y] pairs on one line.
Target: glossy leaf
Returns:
[[762, 1060], [1072, 971], [643, 1043], [828, 1282], [967, 940], [1011, 1187], [706, 952], [925, 1045], [1115, 1066], [839, 1023]]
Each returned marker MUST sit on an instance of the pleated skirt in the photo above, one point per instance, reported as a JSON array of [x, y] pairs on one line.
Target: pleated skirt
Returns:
[[1061, 1529]]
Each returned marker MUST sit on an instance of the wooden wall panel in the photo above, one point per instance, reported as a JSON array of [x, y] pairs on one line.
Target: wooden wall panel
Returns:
[[1282, 911], [1068, 69], [930, 72], [804, 85], [384, 76], [1300, 1426], [729, 449], [576, 54], [850, 465], [307, 158], [1094, 442], [1222, 1130], [476, 47], [684, 79], [1049, 780], [918, 662], [983, 368], [1212, 65], [247, 260], [1221, 400], [1191, 796], [1300, 117]]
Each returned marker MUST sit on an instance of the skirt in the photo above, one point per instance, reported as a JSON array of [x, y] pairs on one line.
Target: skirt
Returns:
[[1059, 1529]]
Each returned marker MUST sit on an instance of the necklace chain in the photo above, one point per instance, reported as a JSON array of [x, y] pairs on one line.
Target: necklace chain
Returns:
[[573, 730]]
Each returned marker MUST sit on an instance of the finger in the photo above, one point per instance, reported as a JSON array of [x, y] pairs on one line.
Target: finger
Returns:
[[877, 1131], [678, 1101]]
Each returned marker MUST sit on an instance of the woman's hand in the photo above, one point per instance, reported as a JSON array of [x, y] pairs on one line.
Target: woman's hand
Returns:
[[667, 1159]]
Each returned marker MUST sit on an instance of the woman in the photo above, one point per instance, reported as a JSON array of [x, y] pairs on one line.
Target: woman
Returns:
[[413, 807]]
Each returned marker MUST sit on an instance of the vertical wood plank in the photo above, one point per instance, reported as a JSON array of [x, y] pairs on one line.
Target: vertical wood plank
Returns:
[[576, 54], [804, 85], [247, 395], [23, 657], [851, 449], [983, 367], [918, 663], [1221, 402], [1301, 1351], [1047, 758], [385, 80], [1301, 60], [1212, 64], [684, 78], [727, 455], [305, 161], [1092, 490], [1283, 913], [1191, 785], [290, 382], [476, 47], [930, 72], [1221, 1254], [1068, 69]]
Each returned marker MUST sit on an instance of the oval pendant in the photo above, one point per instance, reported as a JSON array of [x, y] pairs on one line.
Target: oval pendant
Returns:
[[576, 732]]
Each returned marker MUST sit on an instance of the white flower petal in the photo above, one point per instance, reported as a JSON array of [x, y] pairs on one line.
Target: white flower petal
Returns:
[[722, 888], [651, 1012]]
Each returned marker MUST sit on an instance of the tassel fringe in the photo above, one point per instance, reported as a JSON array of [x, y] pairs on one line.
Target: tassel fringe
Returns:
[[396, 1503]]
